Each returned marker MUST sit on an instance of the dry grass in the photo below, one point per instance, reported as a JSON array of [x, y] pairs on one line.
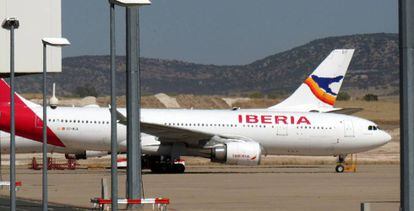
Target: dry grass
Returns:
[[381, 112], [146, 101], [256, 103], [32, 95], [201, 102]]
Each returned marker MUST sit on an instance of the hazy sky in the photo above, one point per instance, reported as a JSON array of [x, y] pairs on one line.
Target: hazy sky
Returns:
[[226, 31]]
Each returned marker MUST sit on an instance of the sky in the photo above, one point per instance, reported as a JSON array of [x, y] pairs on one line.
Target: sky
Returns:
[[226, 31]]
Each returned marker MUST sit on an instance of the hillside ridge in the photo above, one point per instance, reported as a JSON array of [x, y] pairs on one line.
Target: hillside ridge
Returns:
[[374, 69]]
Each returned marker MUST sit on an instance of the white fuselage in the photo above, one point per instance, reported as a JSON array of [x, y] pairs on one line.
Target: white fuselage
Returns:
[[278, 133]]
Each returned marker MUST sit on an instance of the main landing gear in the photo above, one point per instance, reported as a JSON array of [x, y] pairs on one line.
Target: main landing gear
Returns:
[[163, 164], [340, 165]]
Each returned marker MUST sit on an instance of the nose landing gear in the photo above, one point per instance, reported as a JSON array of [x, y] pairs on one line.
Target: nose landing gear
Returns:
[[346, 166]]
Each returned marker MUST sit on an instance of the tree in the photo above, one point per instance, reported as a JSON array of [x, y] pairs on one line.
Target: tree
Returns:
[[343, 96], [83, 91], [370, 97], [256, 95]]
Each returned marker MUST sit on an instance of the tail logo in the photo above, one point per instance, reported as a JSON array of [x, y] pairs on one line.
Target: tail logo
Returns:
[[320, 87]]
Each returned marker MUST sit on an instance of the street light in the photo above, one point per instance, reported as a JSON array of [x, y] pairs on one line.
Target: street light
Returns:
[[56, 42], [133, 101], [114, 139], [12, 24], [129, 3]]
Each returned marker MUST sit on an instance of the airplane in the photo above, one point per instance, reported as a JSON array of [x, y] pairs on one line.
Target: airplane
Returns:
[[303, 124]]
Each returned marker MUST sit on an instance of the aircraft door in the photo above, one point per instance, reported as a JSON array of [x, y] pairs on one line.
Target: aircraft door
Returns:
[[282, 130], [349, 128]]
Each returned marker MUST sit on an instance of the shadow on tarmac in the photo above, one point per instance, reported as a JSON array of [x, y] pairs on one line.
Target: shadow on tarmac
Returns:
[[26, 205], [262, 170]]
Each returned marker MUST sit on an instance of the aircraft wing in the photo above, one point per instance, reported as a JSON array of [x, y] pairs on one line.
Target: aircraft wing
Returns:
[[173, 134], [170, 134]]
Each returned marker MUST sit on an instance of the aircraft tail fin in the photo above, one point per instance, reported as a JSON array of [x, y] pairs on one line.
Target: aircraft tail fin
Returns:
[[19, 100], [319, 91]]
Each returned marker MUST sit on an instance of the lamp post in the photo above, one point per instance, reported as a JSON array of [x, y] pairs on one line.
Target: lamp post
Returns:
[[114, 142], [57, 42], [406, 47], [134, 178], [12, 24]]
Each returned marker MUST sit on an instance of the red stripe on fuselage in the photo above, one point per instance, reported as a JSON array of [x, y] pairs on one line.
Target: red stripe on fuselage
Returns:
[[27, 123]]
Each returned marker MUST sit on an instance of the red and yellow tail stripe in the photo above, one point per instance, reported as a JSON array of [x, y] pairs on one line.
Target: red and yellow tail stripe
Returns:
[[319, 92]]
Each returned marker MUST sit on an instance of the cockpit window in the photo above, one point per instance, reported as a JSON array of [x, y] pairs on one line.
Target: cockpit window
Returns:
[[373, 127]]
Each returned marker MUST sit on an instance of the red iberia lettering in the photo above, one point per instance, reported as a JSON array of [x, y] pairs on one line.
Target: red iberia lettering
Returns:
[[251, 119], [270, 119], [266, 119], [303, 120], [279, 119]]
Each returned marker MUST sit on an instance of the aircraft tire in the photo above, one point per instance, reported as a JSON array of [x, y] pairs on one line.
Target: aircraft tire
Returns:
[[159, 168], [339, 168], [178, 168]]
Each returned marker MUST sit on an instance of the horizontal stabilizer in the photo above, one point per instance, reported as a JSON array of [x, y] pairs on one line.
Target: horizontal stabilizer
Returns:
[[347, 111]]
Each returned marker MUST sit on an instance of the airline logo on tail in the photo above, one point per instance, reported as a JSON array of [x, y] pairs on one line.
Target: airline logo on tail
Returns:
[[320, 87]]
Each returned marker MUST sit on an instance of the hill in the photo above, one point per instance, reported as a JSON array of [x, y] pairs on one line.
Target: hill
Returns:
[[373, 69]]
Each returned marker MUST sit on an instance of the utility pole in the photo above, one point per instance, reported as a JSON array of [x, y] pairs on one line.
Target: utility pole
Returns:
[[406, 38], [12, 24]]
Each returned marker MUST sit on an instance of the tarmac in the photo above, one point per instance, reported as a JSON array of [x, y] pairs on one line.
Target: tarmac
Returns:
[[221, 187], [31, 205]]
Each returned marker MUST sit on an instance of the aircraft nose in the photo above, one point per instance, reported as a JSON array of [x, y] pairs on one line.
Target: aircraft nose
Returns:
[[385, 137]]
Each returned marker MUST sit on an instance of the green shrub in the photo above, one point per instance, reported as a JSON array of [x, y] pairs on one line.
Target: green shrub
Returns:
[[256, 95], [343, 96], [83, 91], [370, 97]]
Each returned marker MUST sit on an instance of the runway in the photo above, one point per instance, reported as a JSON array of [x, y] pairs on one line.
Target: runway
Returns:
[[217, 187]]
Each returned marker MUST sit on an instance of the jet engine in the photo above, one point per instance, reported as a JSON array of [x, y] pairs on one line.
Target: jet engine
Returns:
[[86, 154], [237, 153]]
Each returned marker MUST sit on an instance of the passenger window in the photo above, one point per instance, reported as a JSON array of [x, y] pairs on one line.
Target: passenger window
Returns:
[[370, 127]]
